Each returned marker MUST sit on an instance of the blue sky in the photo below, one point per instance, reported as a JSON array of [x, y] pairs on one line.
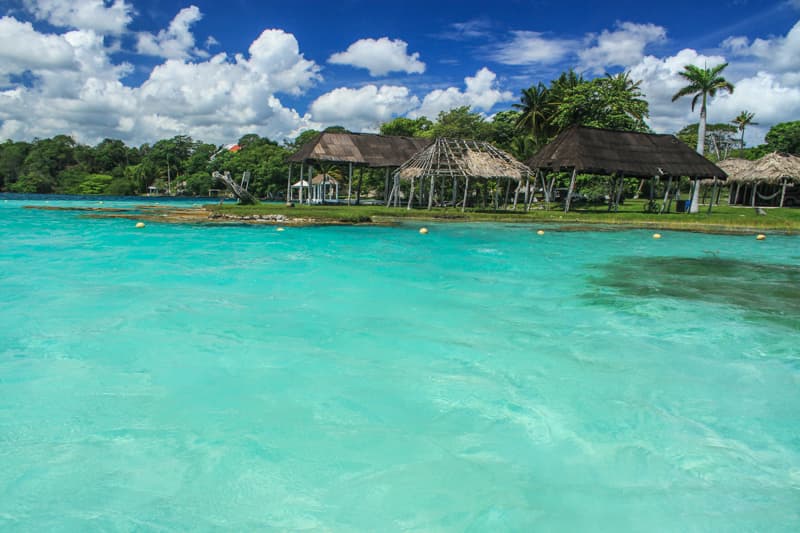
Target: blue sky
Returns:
[[144, 70]]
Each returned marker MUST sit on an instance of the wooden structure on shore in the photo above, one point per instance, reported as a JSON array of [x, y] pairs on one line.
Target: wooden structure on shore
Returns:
[[622, 154], [451, 161], [772, 174], [239, 190], [352, 151]]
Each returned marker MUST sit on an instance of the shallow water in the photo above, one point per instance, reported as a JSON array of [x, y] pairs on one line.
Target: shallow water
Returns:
[[477, 378]]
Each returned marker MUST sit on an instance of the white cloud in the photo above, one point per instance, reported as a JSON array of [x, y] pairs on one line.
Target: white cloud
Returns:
[[380, 57], [781, 54], [78, 90], [41, 51], [481, 93], [661, 80], [530, 48], [362, 109], [96, 15], [276, 55], [621, 47], [177, 41]]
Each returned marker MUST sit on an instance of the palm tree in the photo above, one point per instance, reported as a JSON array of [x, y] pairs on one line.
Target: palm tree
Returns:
[[703, 83], [533, 115], [744, 119]]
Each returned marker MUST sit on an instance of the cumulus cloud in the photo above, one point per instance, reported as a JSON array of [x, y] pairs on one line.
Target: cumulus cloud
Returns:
[[531, 48], [661, 80], [362, 109], [175, 42], [96, 15], [621, 47], [481, 93], [78, 90], [41, 51], [380, 57], [781, 54], [276, 55]]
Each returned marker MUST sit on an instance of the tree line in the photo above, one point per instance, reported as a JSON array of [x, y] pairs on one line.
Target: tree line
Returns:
[[182, 165]]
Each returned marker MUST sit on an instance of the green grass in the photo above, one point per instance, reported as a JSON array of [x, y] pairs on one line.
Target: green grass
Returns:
[[631, 214]]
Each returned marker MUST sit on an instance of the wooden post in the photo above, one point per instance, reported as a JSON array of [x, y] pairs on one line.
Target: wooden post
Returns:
[[753, 196], [516, 194], [466, 188], [665, 205], [301, 183], [430, 194], [571, 188], [289, 184], [349, 182], [527, 189], [713, 192], [386, 185], [310, 176], [783, 191], [411, 195], [358, 187], [619, 193], [508, 191]]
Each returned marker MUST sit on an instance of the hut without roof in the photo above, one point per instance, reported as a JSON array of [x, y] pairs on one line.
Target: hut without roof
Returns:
[[452, 160], [621, 154], [356, 150]]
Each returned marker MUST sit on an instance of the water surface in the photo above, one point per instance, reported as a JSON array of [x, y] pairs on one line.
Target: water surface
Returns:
[[481, 377]]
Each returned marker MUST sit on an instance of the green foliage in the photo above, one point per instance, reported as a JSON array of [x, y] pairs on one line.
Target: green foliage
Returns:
[[614, 102], [784, 137], [460, 123], [720, 138], [34, 182], [407, 127], [95, 184], [12, 156]]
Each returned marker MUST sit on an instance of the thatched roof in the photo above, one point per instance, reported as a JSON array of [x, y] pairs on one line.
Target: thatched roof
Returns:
[[364, 149], [629, 154], [462, 158], [772, 168], [736, 168]]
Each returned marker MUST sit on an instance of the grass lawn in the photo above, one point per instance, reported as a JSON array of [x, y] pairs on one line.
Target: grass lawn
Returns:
[[723, 218]]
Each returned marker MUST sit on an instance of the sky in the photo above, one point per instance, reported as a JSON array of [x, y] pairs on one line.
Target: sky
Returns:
[[144, 70]]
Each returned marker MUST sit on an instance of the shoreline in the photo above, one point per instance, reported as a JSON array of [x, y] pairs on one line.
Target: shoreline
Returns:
[[340, 216]]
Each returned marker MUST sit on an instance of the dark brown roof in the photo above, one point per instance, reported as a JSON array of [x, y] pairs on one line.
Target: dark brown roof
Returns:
[[631, 154], [366, 149]]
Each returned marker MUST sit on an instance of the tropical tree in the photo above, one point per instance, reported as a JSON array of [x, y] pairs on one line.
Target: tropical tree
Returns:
[[784, 137], [744, 119], [614, 102], [534, 113], [703, 84]]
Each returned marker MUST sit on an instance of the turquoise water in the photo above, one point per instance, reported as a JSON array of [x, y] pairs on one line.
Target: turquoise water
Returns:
[[479, 378]]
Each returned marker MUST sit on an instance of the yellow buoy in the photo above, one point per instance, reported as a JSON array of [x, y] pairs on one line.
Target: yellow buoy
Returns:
[[280, 229], [423, 230], [540, 232], [760, 237], [656, 235], [140, 224]]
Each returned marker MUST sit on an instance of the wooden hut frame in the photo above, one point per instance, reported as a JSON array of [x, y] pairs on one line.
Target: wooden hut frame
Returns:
[[459, 160]]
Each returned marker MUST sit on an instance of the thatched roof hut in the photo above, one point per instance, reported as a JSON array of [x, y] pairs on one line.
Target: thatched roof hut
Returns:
[[623, 153], [360, 149], [774, 169], [736, 168], [459, 159]]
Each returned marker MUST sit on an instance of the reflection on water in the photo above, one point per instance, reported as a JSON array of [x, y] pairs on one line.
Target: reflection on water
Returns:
[[762, 290]]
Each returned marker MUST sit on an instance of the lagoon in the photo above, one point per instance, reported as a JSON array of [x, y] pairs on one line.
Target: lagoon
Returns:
[[480, 377]]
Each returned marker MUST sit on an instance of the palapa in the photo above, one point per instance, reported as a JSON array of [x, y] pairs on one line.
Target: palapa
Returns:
[[458, 159]]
